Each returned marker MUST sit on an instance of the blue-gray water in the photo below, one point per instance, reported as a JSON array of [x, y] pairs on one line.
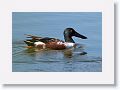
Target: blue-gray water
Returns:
[[52, 24]]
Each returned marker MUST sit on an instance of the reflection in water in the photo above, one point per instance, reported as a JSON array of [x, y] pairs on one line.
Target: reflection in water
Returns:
[[56, 54], [44, 60]]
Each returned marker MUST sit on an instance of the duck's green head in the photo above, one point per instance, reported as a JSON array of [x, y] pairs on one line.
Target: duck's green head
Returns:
[[69, 32]]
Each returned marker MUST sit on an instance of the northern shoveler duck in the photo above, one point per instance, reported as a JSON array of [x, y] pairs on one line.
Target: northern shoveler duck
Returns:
[[53, 43]]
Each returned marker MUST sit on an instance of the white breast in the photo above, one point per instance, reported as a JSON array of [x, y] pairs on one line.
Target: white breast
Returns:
[[69, 45]]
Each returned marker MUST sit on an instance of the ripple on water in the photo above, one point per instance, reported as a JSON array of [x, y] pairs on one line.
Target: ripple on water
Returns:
[[70, 60]]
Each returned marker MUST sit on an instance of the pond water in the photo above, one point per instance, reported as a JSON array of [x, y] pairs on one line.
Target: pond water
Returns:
[[52, 24]]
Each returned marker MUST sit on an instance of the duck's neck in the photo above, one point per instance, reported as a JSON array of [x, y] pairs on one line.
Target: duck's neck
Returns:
[[68, 39]]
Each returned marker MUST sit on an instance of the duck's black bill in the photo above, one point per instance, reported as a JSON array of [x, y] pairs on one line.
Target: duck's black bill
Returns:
[[79, 35]]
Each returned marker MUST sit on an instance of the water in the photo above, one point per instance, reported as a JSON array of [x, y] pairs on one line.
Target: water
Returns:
[[52, 24]]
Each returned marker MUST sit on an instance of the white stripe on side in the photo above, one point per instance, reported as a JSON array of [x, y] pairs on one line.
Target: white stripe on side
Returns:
[[39, 43]]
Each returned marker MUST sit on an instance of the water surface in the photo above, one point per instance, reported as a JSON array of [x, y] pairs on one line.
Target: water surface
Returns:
[[52, 24]]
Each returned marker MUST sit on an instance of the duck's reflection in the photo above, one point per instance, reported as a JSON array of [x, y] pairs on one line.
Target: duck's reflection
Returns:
[[47, 54], [62, 60]]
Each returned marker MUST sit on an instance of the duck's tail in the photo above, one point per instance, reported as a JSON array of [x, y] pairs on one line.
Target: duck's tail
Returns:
[[32, 39], [29, 42]]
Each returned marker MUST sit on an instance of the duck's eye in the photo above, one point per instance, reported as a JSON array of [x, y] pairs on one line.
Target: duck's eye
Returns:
[[70, 30]]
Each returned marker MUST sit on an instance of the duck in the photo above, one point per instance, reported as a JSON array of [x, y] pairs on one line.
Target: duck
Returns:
[[53, 43]]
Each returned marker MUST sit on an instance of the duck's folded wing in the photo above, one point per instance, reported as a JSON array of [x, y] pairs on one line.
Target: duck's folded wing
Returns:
[[32, 39], [49, 40]]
